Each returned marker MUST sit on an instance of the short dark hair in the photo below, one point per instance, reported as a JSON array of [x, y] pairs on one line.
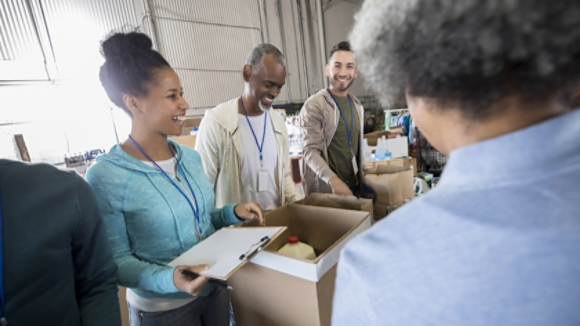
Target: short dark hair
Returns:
[[130, 63], [342, 46], [259, 52], [469, 53]]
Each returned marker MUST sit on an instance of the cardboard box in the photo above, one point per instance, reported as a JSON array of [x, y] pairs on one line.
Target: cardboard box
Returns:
[[337, 201], [189, 124], [123, 304], [396, 129], [372, 137], [407, 162], [187, 140], [278, 290], [393, 184], [398, 147], [192, 122], [186, 131]]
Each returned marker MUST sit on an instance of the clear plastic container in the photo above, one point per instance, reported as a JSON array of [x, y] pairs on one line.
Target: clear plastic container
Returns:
[[297, 249], [381, 152]]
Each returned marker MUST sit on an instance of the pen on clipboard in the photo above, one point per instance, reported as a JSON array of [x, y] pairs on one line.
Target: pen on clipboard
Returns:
[[214, 281], [256, 248]]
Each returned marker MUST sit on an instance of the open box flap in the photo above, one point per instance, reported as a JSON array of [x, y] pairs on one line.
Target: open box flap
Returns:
[[311, 270]]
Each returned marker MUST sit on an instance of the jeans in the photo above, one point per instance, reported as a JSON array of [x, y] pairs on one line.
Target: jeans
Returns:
[[232, 316], [213, 310]]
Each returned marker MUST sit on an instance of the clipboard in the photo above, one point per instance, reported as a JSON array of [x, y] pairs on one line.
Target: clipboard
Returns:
[[224, 249]]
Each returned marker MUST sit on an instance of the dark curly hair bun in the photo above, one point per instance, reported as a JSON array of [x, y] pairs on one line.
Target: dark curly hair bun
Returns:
[[119, 44], [130, 63]]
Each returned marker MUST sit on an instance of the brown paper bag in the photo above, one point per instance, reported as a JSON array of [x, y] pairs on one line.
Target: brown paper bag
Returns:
[[393, 184]]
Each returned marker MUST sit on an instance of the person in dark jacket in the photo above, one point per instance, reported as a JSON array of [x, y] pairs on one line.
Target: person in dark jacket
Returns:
[[56, 265]]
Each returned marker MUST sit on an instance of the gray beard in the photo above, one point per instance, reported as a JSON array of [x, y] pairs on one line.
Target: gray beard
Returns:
[[263, 107]]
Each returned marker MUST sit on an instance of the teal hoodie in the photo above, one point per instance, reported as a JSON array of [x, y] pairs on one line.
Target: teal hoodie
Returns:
[[149, 222]]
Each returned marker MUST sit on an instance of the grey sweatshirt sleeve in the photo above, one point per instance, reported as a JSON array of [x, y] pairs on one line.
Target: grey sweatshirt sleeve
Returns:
[[95, 271], [313, 143]]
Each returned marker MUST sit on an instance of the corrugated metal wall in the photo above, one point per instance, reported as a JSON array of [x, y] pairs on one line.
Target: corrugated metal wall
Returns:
[[206, 41], [207, 44], [21, 55], [76, 29], [18, 39]]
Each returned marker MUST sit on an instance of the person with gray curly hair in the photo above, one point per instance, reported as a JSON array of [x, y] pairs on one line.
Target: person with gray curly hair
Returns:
[[489, 83], [259, 51]]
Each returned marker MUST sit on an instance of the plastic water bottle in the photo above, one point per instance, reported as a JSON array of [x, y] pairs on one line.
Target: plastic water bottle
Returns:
[[295, 248], [381, 153]]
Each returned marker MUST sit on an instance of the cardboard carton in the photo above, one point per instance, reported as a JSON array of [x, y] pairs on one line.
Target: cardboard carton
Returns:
[[397, 129], [189, 124], [186, 131], [393, 184], [337, 201], [188, 140], [407, 162], [398, 147], [278, 290], [192, 122], [185, 138], [372, 137]]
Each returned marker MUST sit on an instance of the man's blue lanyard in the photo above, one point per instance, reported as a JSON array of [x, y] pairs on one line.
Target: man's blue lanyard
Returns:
[[194, 209], [3, 320], [349, 132], [260, 147]]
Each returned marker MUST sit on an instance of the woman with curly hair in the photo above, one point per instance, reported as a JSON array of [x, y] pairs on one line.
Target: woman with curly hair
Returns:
[[489, 83]]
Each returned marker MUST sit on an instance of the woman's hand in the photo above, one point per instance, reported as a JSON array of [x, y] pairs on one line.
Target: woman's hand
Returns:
[[249, 212], [188, 284]]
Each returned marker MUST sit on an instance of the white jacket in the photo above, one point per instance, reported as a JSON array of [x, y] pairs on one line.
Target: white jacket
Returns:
[[219, 142]]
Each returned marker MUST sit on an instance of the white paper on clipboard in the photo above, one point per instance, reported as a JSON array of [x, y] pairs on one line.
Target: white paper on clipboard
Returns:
[[222, 250]]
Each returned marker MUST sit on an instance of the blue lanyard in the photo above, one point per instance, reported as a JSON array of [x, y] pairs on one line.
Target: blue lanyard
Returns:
[[260, 147], [349, 132], [3, 320], [195, 211]]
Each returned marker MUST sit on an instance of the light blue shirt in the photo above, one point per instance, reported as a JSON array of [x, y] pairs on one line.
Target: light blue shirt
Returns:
[[496, 243]]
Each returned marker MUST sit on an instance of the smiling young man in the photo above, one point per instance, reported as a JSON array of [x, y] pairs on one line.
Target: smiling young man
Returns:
[[331, 123], [243, 144]]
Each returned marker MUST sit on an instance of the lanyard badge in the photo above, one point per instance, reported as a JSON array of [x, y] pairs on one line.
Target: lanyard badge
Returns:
[[263, 174], [195, 208]]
